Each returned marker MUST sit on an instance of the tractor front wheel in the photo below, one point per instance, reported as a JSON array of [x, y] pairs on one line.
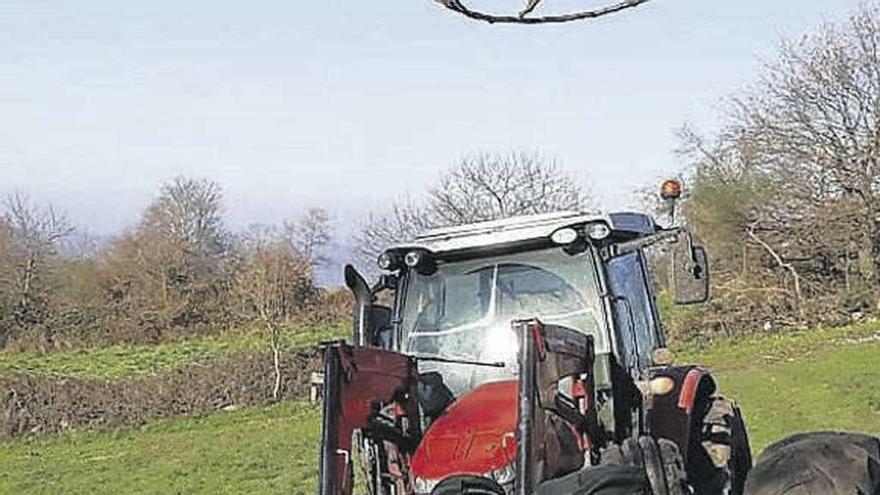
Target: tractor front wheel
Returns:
[[659, 459]]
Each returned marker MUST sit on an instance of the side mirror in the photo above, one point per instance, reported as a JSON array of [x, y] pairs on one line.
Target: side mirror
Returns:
[[362, 307], [690, 272]]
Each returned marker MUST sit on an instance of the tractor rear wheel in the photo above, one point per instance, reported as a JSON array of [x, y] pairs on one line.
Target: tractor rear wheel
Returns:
[[720, 456]]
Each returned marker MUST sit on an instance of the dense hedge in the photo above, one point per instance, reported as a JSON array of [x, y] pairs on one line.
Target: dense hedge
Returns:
[[34, 404]]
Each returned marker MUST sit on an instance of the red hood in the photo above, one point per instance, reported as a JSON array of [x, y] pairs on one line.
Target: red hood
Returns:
[[474, 436]]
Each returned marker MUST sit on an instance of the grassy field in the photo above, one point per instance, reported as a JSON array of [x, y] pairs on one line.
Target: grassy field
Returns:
[[815, 380], [787, 383], [269, 450], [125, 361]]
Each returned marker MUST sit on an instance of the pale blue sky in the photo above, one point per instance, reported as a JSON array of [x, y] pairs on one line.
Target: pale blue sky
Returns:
[[344, 103]]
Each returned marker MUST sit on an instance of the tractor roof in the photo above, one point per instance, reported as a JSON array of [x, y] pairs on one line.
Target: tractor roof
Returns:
[[526, 230]]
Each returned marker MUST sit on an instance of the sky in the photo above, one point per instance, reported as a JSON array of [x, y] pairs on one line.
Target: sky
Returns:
[[347, 104]]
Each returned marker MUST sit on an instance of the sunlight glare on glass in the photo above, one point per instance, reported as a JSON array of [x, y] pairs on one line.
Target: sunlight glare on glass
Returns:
[[500, 344]]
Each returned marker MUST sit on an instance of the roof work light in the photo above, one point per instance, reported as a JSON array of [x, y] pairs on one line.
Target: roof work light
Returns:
[[671, 189]]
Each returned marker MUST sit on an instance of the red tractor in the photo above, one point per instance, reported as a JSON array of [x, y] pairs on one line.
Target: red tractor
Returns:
[[526, 356]]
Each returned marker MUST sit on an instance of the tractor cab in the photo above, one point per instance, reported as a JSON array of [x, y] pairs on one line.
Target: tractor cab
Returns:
[[508, 354], [457, 290]]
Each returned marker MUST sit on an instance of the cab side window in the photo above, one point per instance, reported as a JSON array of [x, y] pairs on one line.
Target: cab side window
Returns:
[[634, 312]]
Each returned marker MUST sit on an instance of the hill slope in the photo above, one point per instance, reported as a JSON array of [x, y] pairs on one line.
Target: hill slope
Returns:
[[810, 381]]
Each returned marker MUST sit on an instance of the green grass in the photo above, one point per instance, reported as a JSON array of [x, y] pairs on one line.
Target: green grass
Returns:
[[787, 383], [815, 380], [125, 361], [265, 451], [766, 349]]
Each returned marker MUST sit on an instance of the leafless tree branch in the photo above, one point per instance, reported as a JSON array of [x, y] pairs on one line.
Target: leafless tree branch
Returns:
[[523, 16], [796, 278]]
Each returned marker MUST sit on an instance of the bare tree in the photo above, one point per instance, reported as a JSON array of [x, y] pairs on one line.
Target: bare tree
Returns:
[[523, 17], [789, 189], [480, 187], [188, 212], [274, 282], [176, 265], [31, 235], [7, 267], [488, 187], [814, 121], [309, 235]]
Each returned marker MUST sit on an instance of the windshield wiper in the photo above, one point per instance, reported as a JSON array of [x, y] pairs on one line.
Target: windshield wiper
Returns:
[[439, 359]]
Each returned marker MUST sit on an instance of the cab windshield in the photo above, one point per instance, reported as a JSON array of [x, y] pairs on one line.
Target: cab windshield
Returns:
[[464, 310]]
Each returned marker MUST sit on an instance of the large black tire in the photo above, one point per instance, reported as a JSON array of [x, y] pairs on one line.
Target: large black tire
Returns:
[[830, 463], [720, 457], [660, 459]]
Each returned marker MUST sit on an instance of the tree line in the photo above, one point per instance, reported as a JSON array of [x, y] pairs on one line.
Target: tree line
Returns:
[[787, 192], [179, 271]]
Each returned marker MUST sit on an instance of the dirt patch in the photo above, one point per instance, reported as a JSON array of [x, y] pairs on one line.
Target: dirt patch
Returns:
[[35, 405]]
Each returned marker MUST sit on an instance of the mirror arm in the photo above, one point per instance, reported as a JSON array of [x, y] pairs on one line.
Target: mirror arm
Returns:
[[637, 244]]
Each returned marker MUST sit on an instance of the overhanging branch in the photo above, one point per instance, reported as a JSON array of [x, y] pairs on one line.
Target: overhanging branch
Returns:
[[522, 17]]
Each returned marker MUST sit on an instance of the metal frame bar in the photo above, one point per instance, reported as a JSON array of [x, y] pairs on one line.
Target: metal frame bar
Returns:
[[525, 456]]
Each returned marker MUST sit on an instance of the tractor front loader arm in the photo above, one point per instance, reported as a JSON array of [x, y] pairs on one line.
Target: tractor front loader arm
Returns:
[[550, 356], [369, 390]]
